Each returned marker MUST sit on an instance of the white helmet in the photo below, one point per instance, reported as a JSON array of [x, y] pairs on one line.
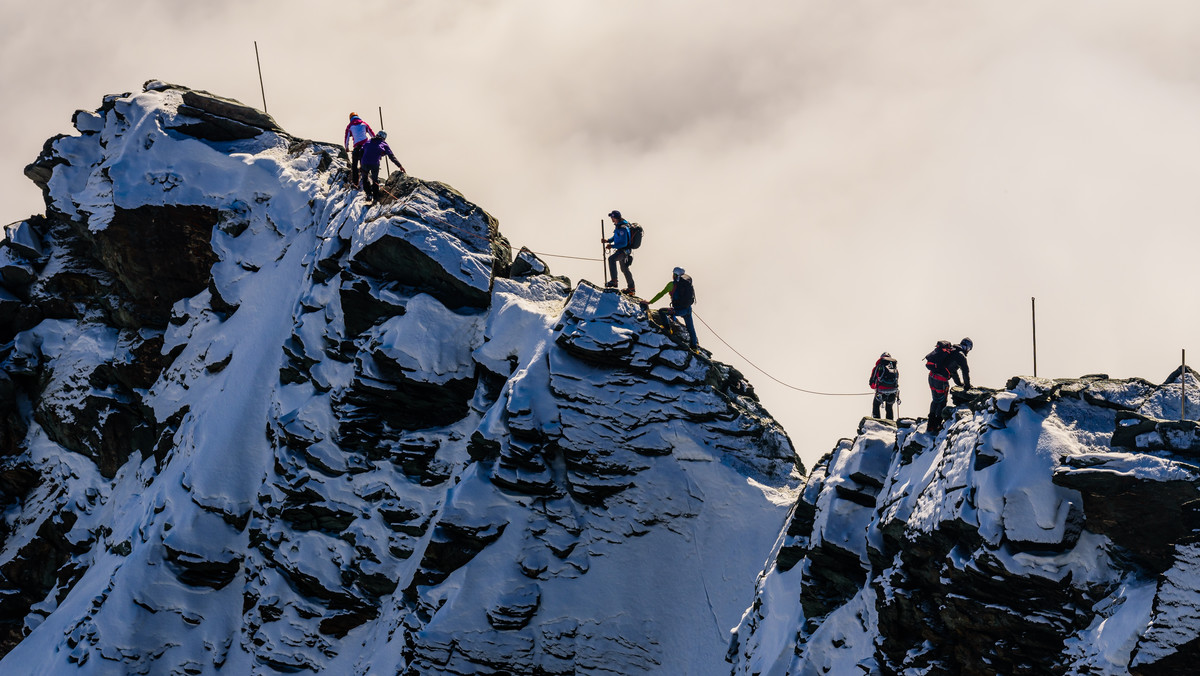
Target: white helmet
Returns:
[[677, 271]]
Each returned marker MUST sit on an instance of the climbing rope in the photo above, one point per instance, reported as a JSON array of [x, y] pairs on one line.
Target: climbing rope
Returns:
[[718, 336], [577, 258], [760, 370]]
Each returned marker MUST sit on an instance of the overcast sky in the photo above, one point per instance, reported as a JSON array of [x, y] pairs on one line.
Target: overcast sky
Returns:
[[839, 177]]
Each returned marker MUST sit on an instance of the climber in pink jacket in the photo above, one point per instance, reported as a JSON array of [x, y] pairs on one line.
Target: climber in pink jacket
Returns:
[[358, 132]]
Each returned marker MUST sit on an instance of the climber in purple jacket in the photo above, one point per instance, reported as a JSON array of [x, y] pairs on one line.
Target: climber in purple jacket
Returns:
[[373, 152]]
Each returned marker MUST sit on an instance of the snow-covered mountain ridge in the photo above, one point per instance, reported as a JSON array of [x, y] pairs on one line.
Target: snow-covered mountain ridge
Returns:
[[252, 424], [1050, 529]]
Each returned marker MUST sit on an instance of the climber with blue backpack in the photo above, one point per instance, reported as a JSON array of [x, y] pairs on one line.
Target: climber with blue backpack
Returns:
[[626, 237], [683, 296], [944, 363], [885, 380]]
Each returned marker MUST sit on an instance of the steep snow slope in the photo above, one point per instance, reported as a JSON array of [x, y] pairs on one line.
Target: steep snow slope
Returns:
[[1051, 529], [254, 425]]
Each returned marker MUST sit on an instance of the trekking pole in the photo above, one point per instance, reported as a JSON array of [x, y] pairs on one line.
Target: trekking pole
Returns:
[[386, 163], [1183, 369], [603, 267]]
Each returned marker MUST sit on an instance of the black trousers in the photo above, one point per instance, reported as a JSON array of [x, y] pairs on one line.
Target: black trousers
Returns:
[[939, 390], [623, 257], [371, 181], [355, 158], [888, 399]]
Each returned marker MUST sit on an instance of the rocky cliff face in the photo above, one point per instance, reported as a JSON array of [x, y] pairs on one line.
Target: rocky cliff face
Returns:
[[250, 424], [1051, 529]]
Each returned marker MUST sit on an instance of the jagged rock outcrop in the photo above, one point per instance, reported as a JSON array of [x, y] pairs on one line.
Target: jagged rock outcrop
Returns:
[[254, 425], [1050, 529]]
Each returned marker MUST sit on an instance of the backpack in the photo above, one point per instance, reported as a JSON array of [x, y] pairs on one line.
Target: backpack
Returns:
[[935, 361], [886, 376], [685, 292], [635, 235]]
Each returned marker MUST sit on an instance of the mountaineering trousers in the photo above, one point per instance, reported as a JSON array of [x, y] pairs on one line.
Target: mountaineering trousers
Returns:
[[371, 181], [355, 158], [623, 257], [686, 313], [885, 398], [939, 389], [664, 318]]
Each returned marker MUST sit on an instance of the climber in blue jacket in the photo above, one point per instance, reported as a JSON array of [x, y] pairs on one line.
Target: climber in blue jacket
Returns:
[[620, 244]]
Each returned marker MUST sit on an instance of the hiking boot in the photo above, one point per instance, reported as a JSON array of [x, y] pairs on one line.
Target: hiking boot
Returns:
[[610, 285], [629, 290]]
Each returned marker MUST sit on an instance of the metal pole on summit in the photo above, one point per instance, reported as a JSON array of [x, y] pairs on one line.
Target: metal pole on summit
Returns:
[[386, 163], [1183, 385], [1033, 308], [260, 80]]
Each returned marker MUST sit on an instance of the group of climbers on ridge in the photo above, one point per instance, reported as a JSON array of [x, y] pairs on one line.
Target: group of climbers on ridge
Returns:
[[944, 364], [368, 150], [625, 238]]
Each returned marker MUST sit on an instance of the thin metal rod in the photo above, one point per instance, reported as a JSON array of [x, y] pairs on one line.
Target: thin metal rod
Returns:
[[1183, 369], [386, 163], [260, 78], [603, 263], [1033, 309]]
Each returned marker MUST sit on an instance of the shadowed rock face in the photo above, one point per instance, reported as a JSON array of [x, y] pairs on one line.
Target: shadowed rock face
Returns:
[[160, 254], [249, 423], [1047, 514]]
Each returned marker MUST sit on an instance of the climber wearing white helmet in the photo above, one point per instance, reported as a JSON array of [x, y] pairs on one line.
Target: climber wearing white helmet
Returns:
[[683, 296], [372, 152]]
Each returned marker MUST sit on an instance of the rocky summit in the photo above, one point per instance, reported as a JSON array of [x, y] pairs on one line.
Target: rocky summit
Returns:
[[1050, 529], [252, 424]]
